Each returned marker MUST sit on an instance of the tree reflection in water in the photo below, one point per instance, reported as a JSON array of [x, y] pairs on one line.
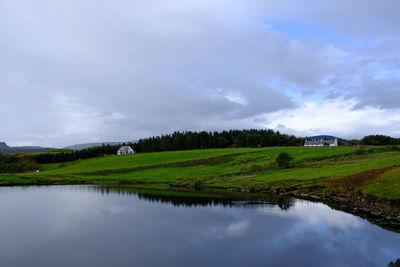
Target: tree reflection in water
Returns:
[[199, 198]]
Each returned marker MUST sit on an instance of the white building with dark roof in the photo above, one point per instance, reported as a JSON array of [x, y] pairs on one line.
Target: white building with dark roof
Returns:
[[125, 150], [321, 142]]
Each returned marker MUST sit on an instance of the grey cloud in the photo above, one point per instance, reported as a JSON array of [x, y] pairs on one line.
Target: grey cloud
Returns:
[[154, 68], [380, 93], [76, 71], [372, 77]]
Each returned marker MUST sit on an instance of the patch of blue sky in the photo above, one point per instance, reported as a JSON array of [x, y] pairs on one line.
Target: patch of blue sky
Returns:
[[327, 80], [297, 94], [317, 97], [301, 30], [383, 74], [289, 89]]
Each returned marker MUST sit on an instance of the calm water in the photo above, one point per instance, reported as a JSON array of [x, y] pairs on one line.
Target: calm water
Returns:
[[88, 226]]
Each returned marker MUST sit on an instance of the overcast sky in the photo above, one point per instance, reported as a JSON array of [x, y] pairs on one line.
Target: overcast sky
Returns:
[[77, 71]]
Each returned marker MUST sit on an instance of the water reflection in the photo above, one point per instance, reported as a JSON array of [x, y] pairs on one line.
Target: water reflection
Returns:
[[197, 199], [95, 226]]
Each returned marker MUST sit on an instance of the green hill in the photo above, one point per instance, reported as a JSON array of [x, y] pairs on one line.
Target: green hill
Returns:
[[322, 169]]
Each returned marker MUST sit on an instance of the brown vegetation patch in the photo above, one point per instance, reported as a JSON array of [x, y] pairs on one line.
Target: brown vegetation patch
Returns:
[[250, 159], [360, 179], [340, 159]]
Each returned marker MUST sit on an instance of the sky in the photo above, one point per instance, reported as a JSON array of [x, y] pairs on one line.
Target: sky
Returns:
[[74, 71]]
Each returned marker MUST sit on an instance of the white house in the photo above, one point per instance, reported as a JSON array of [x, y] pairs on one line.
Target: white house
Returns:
[[321, 142], [125, 150]]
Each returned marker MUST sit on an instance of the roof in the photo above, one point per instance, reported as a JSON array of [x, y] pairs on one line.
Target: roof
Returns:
[[314, 142], [323, 137], [125, 148], [330, 142]]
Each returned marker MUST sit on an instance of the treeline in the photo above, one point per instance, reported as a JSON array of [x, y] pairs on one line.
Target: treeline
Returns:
[[224, 139], [379, 140], [72, 155], [13, 163]]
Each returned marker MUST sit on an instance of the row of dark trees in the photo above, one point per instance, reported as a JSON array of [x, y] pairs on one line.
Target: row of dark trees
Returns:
[[379, 140], [64, 156], [224, 139]]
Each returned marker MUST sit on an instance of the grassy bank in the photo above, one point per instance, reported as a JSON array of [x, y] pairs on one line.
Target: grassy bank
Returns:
[[330, 170]]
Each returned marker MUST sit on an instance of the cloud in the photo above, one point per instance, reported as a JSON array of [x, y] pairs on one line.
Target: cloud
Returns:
[[337, 117], [319, 213], [373, 76], [76, 71], [234, 229]]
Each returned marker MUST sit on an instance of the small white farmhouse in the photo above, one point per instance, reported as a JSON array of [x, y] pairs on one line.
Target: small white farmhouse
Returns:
[[125, 150]]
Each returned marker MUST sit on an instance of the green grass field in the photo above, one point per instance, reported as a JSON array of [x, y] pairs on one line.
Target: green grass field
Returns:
[[333, 169], [387, 185]]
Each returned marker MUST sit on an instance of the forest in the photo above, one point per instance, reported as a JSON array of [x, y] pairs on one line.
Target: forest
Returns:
[[224, 139]]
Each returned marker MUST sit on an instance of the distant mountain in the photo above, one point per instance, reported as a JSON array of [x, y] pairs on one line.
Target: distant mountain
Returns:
[[87, 145], [3, 145], [5, 149]]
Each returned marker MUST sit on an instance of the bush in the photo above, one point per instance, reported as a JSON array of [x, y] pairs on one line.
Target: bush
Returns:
[[361, 151], [271, 165], [256, 168], [283, 160]]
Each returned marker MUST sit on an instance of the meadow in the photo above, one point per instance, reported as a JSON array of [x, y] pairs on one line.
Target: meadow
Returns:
[[329, 170]]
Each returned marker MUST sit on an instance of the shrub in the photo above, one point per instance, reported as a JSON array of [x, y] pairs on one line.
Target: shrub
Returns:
[[256, 168], [393, 148], [283, 160], [271, 165], [361, 151]]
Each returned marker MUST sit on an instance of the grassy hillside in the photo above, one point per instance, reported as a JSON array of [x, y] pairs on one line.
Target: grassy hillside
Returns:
[[331, 169]]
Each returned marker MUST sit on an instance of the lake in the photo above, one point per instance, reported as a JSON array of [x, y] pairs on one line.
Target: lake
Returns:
[[97, 226]]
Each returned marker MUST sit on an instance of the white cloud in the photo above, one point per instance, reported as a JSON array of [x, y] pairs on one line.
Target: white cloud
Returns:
[[237, 228], [336, 117], [233, 229], [314, 213]]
